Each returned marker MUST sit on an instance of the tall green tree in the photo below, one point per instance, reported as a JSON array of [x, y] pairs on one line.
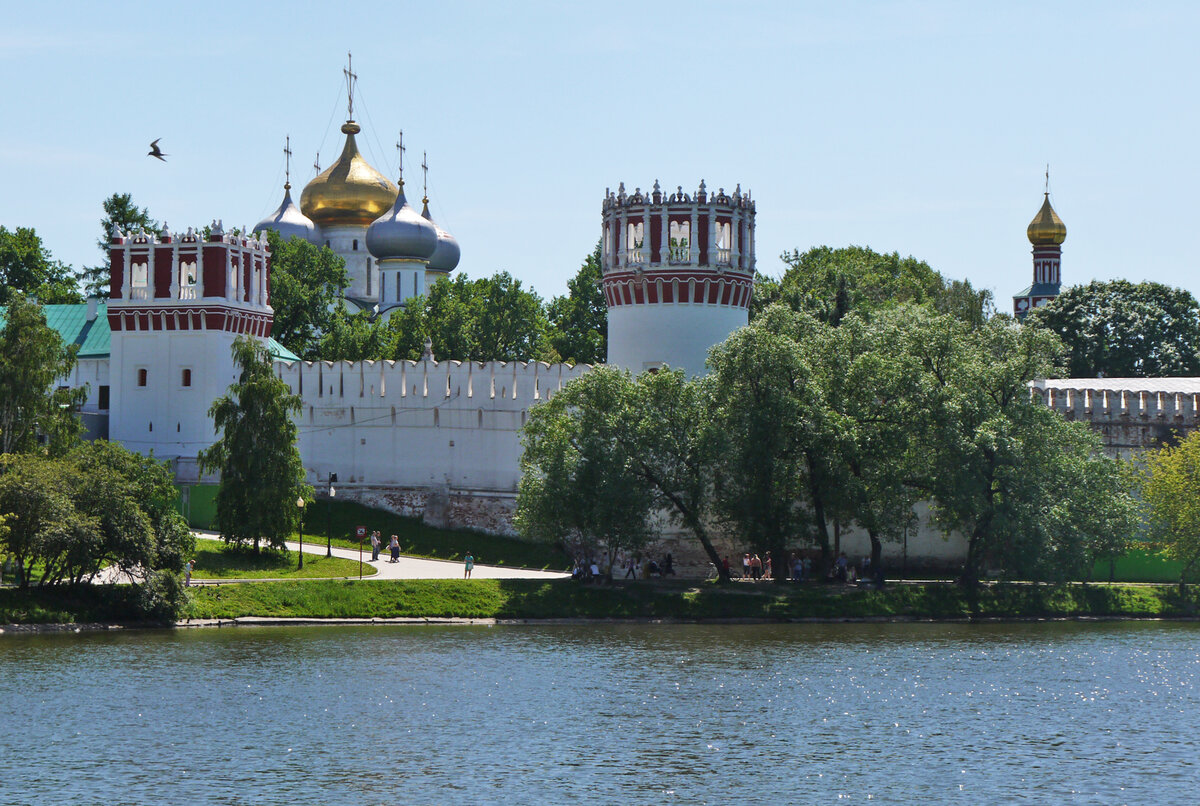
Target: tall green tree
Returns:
[[490, 319], [828, 283], [768, 403], [307, 282], [119, 210], [1119, 329], [577, 483], [27, 267], [1171, 492], [1002, 470], [579, 320], [676, 445], [261, 473], [33, 360]]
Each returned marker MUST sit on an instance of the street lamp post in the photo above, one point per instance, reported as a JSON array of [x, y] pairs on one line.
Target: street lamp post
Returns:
[[329, 522], [300, 504]]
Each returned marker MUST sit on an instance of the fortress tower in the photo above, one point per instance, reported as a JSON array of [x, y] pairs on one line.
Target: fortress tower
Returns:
[[176, 305], [678, 274]]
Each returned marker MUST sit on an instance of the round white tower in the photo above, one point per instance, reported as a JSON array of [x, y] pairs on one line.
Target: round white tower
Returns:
[[678, 274]]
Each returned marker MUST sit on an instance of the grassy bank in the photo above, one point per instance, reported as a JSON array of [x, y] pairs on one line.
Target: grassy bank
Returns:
[[82, 604], [215, 560], [336, 521], [531, 599]]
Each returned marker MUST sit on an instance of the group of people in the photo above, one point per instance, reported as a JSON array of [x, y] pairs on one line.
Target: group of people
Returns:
[[377, 544], [800, 568], [636, 566]]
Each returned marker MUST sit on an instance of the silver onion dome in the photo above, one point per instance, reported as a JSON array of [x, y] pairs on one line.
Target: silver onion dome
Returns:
[[447, 254], [401, 233], [289, 222]]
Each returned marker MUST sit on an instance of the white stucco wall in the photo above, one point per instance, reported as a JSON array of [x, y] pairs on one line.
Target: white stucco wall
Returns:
[[418, 423], [164, 416], [642, 337]]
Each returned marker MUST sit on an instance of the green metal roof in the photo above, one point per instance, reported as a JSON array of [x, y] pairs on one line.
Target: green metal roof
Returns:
[[95, 339]]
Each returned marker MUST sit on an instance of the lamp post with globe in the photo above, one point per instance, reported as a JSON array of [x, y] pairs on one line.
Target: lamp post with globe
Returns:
[[300, 505], [329, 517]]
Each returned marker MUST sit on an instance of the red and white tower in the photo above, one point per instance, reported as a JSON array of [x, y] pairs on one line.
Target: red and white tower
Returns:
[[678, 274], [176, 305]]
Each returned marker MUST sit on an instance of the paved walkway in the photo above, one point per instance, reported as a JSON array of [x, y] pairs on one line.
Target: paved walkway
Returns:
[[413, 567]]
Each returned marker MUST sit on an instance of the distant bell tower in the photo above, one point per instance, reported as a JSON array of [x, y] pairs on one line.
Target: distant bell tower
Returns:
[[176, 305], [678, 274], [1046, 232]]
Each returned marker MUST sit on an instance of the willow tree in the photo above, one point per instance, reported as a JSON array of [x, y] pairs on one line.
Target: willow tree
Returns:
[[261, 472]]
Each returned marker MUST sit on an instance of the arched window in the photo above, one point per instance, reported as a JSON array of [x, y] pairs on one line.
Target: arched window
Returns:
[[186, 379], [141, 377]]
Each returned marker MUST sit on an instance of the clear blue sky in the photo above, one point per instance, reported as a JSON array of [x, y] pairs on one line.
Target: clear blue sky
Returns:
[[917, 127]]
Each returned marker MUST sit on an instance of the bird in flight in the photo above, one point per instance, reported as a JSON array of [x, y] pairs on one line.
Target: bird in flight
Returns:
[[155, 152]]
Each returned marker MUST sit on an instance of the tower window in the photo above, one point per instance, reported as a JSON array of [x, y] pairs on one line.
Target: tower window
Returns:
[[141, 377], [186, 378], [354, 245], [102, 403]]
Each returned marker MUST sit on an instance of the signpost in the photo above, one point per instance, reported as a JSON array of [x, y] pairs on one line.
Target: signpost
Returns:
[[360, 532]]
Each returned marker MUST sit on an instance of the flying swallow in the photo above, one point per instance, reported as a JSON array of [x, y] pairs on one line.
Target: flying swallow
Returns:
[[155, 152]]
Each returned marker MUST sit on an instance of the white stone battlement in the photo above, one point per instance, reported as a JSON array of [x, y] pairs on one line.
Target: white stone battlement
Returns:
[[494, 385]]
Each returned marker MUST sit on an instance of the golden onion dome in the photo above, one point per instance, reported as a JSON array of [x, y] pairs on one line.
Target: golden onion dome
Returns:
[[350, 192], [1046, 228]]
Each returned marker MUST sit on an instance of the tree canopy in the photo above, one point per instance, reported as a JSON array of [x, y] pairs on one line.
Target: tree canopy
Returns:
[[33, 358], [489, 319], [1119, 329], [119, 210], [579, 320], [27, 267], [307, 282], [1171, 493], [829, 283], [261, 473]]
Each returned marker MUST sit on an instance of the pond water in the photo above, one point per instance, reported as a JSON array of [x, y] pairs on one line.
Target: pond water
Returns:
[[890, 713]]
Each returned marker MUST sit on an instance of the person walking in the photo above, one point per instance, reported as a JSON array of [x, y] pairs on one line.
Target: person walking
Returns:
[[375, 547], [468, 565], [394, 545]]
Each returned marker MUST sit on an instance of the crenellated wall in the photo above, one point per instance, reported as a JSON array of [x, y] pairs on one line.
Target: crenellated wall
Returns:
[[1130, 414], [419, 424]]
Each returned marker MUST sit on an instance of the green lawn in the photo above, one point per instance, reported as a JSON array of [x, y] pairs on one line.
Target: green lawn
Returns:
[[215, 560], [536, 599], [1140, 565], [339, 518]]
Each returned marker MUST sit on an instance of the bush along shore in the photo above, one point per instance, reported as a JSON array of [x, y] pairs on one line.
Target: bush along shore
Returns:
[[519, 600]]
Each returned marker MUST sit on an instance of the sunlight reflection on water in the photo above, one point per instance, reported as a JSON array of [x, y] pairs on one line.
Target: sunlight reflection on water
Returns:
[[1040, 713]]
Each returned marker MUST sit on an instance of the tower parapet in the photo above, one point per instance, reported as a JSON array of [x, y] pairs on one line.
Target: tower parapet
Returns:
[[678, 274], [188, 282]]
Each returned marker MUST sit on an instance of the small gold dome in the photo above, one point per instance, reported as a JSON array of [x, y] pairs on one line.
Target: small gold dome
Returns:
[[1046, 228], [350, 192]]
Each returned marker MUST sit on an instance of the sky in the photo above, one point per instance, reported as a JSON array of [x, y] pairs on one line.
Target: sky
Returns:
[[918, 127]]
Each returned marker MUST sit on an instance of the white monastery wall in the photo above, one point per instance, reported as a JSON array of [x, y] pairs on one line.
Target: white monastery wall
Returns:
[[419, 424]]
